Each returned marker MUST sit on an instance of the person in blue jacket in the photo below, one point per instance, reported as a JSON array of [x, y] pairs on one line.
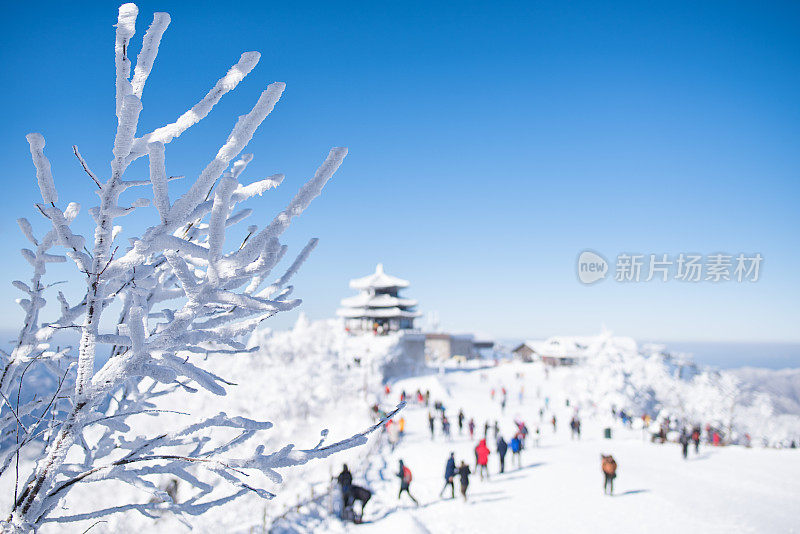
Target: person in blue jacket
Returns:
[[502, 448], [449, 476], [516, 446]]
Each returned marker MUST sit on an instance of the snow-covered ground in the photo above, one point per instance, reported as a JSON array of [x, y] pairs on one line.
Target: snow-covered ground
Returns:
[[559, 487], [315, 376]]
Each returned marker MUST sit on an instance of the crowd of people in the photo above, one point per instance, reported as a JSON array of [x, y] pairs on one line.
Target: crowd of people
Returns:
[[491, 443], [439, 425], [687, 435]]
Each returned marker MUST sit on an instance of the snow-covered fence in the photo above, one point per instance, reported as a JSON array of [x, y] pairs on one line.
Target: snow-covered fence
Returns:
[[183, 292]]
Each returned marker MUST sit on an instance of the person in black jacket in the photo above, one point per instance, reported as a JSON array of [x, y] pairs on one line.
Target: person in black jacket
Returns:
[[463, 474], [684, 441], [345, 480], [449, 476], [502, 448]]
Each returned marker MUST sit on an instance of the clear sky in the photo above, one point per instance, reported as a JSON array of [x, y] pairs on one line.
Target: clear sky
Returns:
[[490, 143]]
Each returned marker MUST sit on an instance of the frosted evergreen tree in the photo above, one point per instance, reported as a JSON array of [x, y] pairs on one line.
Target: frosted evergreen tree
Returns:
[[184, 291]]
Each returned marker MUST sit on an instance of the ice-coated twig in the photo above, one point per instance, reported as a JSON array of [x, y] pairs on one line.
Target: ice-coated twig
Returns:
[[199, 111], [145, 59]]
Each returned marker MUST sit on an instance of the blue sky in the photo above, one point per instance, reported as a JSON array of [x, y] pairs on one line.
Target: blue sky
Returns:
[[489, 143]]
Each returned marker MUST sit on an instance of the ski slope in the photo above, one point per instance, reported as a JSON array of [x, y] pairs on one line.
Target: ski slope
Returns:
[[559, 487]]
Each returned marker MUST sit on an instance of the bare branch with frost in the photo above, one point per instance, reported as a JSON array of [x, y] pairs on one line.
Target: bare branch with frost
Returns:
[[184, 289]]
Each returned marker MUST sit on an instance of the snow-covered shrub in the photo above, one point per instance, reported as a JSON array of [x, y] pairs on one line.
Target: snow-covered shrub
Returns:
[[653, 382], [183, 292]]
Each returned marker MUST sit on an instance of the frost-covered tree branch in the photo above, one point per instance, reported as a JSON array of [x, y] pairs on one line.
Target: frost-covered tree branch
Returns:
[[184, 289]]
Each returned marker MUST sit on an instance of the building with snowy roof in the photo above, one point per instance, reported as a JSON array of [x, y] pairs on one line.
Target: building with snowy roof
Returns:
[[527, 351], [564, 350], [378, 306], [570, 350], [555, 351]]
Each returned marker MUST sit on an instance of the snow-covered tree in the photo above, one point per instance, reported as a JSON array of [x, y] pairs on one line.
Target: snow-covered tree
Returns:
[[183, 292]]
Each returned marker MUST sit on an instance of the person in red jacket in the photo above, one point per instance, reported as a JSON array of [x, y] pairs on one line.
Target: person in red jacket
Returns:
[[482, 457], [404, 474]]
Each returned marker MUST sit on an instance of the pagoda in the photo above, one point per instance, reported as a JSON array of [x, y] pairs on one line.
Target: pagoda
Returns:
[[378, 307]]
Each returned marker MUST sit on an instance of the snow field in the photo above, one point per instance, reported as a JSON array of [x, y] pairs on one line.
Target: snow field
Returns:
[[559, 487]]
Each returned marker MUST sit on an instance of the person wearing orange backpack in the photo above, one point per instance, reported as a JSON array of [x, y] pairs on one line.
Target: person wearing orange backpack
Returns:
[[404, 474], [609, 466]]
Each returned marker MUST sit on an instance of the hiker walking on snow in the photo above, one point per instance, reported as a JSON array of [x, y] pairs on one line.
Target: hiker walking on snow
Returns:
[[482, 456], [553, 421], [496, 429], [522, 431], [609, 467], [449, 476], [575, 426], [696, 439], [471, 427], [502, 448], [345, 481], [684, 441], [446, 426], [431, 421], [516, 447], [460, 421], [486, 430], [463, 475], [404, 474]]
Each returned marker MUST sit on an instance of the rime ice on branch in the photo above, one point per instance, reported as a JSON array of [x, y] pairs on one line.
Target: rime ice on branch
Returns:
[[183, 291]]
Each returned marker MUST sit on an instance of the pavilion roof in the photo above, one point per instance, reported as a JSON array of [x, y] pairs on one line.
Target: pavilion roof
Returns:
[[376, 313], [378, 280], [381, 300]]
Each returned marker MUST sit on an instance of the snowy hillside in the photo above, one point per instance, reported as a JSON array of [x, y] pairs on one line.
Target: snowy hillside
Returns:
[[316, 376], [617, 374]]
